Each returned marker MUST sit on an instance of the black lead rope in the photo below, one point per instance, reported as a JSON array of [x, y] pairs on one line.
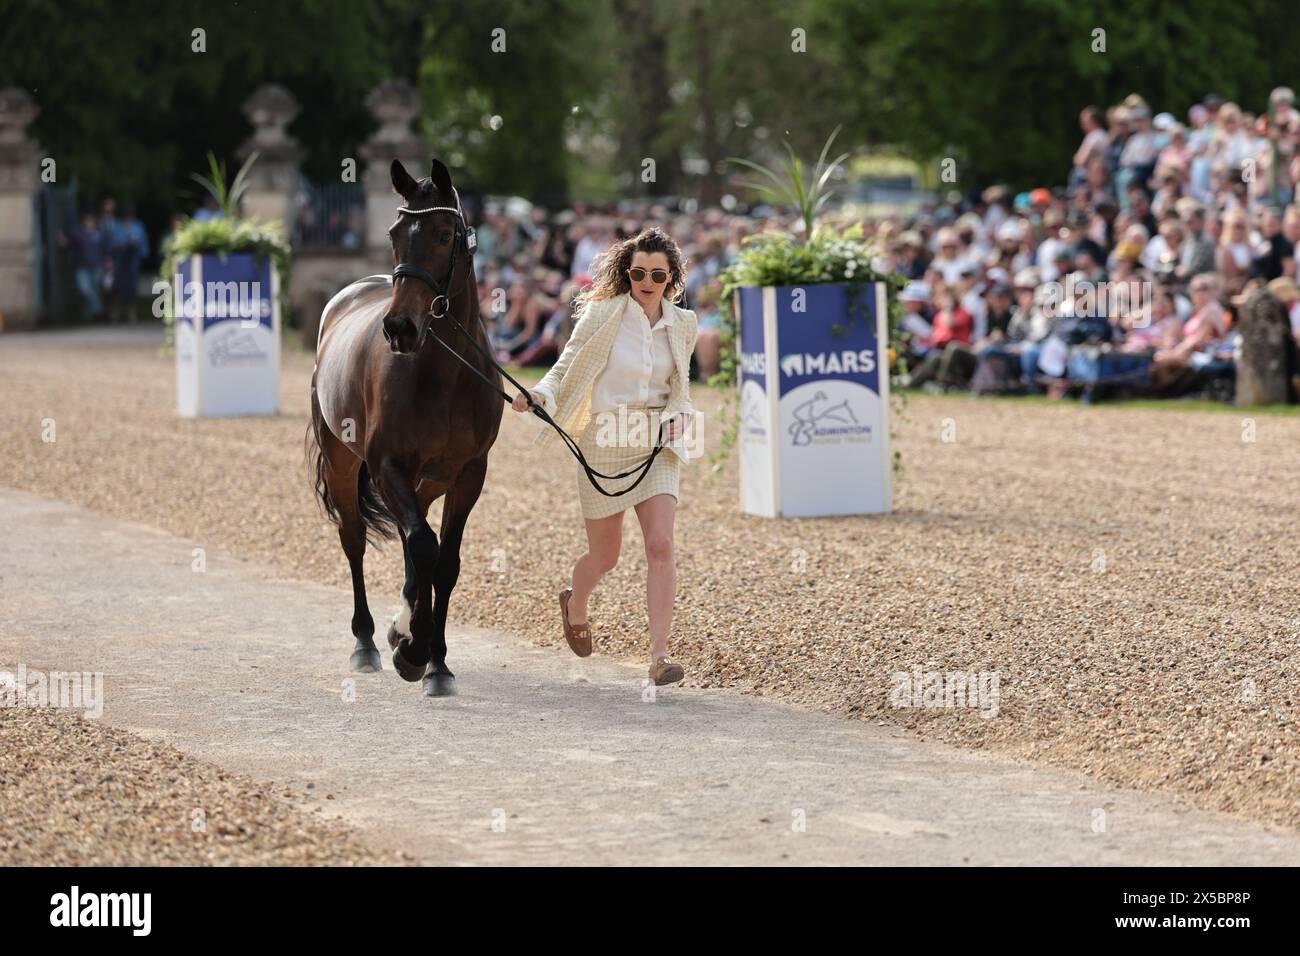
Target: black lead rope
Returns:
[[442, 294], [541, 413]]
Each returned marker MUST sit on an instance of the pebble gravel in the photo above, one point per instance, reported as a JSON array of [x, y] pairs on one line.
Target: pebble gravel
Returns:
[[1128, 574]]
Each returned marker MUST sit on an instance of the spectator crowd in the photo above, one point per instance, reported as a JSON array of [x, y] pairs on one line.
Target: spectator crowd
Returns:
[[1130, 274]]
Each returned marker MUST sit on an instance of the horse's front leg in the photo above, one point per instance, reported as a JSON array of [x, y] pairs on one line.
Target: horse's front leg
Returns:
[[401, 624], [421, 550], [439, 681]]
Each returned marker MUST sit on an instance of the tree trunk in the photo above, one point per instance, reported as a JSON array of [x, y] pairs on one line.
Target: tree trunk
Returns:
[[711, 145]]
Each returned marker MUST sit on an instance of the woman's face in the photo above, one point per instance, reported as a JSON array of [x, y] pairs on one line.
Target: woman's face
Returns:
[[646, 290]]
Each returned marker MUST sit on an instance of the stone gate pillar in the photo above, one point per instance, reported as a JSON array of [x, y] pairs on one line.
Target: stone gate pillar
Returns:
[[19, 180], [394, 103], [273, 179]]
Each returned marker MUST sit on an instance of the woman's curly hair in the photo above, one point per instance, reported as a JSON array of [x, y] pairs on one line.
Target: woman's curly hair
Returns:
[[609, 273]]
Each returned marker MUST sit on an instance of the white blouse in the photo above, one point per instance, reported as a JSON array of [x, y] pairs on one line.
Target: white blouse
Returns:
[[640, 362]]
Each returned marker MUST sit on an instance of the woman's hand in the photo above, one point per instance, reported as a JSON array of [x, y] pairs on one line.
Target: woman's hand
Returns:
[[520, 404], [673, 428]]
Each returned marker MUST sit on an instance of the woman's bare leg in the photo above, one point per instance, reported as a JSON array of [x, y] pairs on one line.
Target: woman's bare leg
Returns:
[[656, 515], [604, 539]]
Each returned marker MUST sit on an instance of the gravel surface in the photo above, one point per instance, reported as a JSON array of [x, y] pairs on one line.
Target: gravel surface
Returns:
[[1128, 574], [74, 792]]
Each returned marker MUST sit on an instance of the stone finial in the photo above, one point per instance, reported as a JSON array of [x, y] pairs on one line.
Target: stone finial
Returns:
[[19, 155], [270, 110], [395, 103], [17, 110]]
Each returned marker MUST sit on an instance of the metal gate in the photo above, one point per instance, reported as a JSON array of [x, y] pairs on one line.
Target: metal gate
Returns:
[[57, 302]]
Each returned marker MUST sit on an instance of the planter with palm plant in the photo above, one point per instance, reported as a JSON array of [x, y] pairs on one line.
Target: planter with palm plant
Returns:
[[806, 337], [225, 278]]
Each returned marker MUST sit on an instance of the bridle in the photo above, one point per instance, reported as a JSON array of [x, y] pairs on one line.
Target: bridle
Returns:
[[441, 290]]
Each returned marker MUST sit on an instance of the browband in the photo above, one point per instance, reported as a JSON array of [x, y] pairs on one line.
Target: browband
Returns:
[[471, 240]]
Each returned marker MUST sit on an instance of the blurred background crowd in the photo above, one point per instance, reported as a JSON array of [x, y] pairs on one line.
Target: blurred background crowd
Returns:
[[1131, 271]]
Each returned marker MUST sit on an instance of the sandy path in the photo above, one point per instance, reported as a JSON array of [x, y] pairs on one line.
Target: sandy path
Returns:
[[1130, 575], [544, 758]]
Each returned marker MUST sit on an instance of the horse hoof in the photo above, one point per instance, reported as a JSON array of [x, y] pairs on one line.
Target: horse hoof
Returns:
[[410, 672], [437, 684], [365, 660]]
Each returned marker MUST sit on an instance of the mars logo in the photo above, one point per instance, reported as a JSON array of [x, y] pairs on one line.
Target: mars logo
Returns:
[[819, 422], [753, 363], [828, 363], [235, 346]]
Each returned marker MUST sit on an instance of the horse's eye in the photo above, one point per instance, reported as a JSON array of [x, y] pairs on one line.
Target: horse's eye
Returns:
[[446, 238]]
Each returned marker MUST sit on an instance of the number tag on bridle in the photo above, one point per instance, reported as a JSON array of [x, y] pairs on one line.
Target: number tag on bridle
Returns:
[[471, 240]]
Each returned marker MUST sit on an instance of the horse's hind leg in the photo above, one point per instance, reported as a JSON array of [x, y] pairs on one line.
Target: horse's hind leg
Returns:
[[439, 681], [343, 478]]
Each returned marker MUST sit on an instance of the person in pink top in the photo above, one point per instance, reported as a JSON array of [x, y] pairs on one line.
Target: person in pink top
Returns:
[[1205, 329]]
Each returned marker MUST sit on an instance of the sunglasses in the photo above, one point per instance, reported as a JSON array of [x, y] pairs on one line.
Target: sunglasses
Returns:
[[657, 276]]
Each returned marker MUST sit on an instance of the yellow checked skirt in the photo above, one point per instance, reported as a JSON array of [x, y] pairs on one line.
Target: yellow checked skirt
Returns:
[[614, 451]]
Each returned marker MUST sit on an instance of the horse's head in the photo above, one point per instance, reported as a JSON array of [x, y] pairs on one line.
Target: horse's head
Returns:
[[431, 253]]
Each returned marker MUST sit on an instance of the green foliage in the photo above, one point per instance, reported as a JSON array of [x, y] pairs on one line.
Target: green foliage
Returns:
[[222, 237], [998, 84], [502, 84]]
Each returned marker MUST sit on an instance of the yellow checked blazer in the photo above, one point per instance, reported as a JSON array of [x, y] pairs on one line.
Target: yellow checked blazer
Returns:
[[567, 387]]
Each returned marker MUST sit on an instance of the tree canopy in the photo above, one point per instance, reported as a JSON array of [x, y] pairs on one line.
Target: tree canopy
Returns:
[[563, 99]]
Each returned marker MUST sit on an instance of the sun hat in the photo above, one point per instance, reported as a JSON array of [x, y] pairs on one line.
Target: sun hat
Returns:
[[1284, 288], [1028, 278], [915, 292]]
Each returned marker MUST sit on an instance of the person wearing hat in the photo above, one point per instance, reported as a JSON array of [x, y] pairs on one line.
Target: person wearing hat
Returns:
[[1288, 293], [915, 300]]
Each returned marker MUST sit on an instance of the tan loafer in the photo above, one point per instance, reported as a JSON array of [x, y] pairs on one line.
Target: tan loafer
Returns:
[[579, 637], [663, 671]]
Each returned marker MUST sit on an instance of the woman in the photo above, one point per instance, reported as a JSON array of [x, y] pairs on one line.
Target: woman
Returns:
[[1207, 327], [1234, 258], [626, 370]]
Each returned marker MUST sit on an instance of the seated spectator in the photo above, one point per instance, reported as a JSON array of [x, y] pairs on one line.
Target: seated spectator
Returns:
[[708, 345], [946, 349], [1200, 334], [1153, 328], [1288, 293]]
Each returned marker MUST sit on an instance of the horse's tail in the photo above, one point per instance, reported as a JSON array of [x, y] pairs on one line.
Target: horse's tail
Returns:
[[378, 520]]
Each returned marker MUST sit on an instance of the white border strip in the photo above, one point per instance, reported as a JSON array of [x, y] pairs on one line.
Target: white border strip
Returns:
[[886, 411], [773, 369]]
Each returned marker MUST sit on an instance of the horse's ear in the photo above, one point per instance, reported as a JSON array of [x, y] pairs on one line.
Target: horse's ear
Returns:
[[403, 184], [441, 176]]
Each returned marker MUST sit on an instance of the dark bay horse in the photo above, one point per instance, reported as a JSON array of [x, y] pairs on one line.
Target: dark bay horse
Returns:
[[398, 421]]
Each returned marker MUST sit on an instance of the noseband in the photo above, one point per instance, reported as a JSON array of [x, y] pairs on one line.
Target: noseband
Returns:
[[441, 290]]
